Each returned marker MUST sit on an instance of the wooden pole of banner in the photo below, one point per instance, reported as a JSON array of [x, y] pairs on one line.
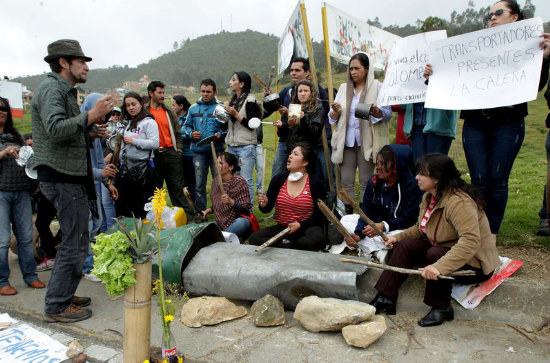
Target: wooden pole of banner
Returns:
[[330, 86], [316, 84], [275, 137]]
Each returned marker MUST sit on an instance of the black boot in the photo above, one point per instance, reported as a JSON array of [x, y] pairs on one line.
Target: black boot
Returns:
[[437, 316], [384, 304]]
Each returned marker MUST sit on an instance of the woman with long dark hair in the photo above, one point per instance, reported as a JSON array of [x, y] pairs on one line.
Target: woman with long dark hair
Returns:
[[141, 137], [493, 137], [231, 207], [294, 195], [452, 233], [309, 125], [241, 139], [15, 206], [356, 142]]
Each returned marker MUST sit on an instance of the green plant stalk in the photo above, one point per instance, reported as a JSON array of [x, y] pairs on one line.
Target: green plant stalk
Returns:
[[165, 324]]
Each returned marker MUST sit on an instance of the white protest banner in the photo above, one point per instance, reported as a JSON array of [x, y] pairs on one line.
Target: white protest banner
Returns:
[[349, 35], [293, 42], [13, 91], [23, 343], [489, 68], [404, 82]]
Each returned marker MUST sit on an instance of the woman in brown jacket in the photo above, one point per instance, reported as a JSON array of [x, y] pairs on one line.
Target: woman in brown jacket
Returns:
[[452, 233]]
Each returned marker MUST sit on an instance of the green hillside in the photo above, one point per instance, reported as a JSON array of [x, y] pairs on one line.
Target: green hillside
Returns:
[[214, 56]]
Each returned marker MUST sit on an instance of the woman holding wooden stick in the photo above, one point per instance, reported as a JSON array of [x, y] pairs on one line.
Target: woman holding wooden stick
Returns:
[[452, 233], [232, 204], [294, 195]]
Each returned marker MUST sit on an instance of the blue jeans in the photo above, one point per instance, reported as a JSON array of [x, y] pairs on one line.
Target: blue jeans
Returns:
[[543, 214], [246, 155], [279, 161], [94, 225], [107, 209], [16, 212], [71, 202], [240, 226], [259, 162], [423, 144], [202, 161], [490, 154]]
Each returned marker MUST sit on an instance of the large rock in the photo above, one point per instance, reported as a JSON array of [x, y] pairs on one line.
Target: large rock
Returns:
[[209, 310], [328, 314], [366, 333], [268, 311]]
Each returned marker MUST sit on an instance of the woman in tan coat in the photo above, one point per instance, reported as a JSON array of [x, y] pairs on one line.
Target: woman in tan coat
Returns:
[[452, 233]]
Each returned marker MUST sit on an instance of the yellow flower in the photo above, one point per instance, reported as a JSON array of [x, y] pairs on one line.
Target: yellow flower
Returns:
[[159, 202], [169, 301], [146, 361], [168, 318], [180, 359], [165, 361]]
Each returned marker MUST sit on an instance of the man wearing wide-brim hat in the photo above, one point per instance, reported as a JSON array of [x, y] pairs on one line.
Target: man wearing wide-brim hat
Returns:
[[63, 166]]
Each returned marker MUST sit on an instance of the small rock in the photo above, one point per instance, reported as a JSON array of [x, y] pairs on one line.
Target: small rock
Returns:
[[81, 358], [366, 333], [74, 349], [268, 311], [328, 314], [209, 310]]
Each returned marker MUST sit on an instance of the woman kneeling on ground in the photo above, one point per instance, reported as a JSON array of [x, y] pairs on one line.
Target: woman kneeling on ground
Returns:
[[452, 233], [231, 207], [294, 195]]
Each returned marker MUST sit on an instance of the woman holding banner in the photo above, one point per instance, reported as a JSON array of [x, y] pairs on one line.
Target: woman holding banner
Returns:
[[356, 142], [493, 137]]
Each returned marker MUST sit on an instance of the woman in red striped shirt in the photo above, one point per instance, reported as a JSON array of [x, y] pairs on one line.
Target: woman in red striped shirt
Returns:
[[294, 195]]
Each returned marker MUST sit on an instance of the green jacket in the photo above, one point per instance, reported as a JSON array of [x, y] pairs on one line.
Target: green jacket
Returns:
[[439, 122], [175, 131], [58, 127]]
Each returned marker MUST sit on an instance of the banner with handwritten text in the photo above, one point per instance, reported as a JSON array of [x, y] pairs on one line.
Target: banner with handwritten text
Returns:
[[494, 67], [349, 35], [404, 82]]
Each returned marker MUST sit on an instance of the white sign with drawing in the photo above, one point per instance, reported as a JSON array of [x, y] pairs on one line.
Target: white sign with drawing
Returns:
[[404, 82], [349, 35], [293, 41], [488, 68]]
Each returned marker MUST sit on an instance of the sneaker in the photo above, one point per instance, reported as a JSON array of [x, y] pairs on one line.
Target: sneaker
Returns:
[[544, 228], [92, 277], [72, 314], [45, 265]]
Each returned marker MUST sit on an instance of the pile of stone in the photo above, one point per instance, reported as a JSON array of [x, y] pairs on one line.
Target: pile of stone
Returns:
[[356, 320]]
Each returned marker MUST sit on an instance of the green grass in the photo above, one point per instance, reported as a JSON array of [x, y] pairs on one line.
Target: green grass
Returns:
[[526, 181]]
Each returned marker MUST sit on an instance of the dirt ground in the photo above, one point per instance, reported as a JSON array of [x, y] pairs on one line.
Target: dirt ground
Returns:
[[536, 261]]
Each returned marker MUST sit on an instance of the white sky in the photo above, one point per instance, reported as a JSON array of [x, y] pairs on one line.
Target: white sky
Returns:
[[134, 31]]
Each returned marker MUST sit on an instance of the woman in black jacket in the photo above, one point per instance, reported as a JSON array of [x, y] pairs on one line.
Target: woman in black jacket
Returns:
[[294, 195]]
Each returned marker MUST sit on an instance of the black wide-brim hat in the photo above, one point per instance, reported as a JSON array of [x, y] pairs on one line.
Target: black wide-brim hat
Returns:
[[65, 48]]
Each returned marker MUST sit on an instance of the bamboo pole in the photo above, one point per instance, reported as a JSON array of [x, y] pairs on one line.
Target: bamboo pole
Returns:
[[273, 239], [364, 217], [219, 176], [137, 316], [263, 171], [330, 86], [407, 270], [315, 84], [336, 223]]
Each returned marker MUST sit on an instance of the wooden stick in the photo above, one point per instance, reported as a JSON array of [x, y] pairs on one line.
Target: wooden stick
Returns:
[[407, 270], [190, 201], [336, 223], [364, 217], [273, 239], [263, 171], [260, 82], [116, 154], [219, 176]]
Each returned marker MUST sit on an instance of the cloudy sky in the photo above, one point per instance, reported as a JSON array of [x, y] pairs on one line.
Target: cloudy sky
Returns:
[[134, 31]]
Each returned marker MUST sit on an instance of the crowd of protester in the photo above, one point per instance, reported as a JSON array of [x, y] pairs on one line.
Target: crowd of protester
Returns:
[[101, 161]]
